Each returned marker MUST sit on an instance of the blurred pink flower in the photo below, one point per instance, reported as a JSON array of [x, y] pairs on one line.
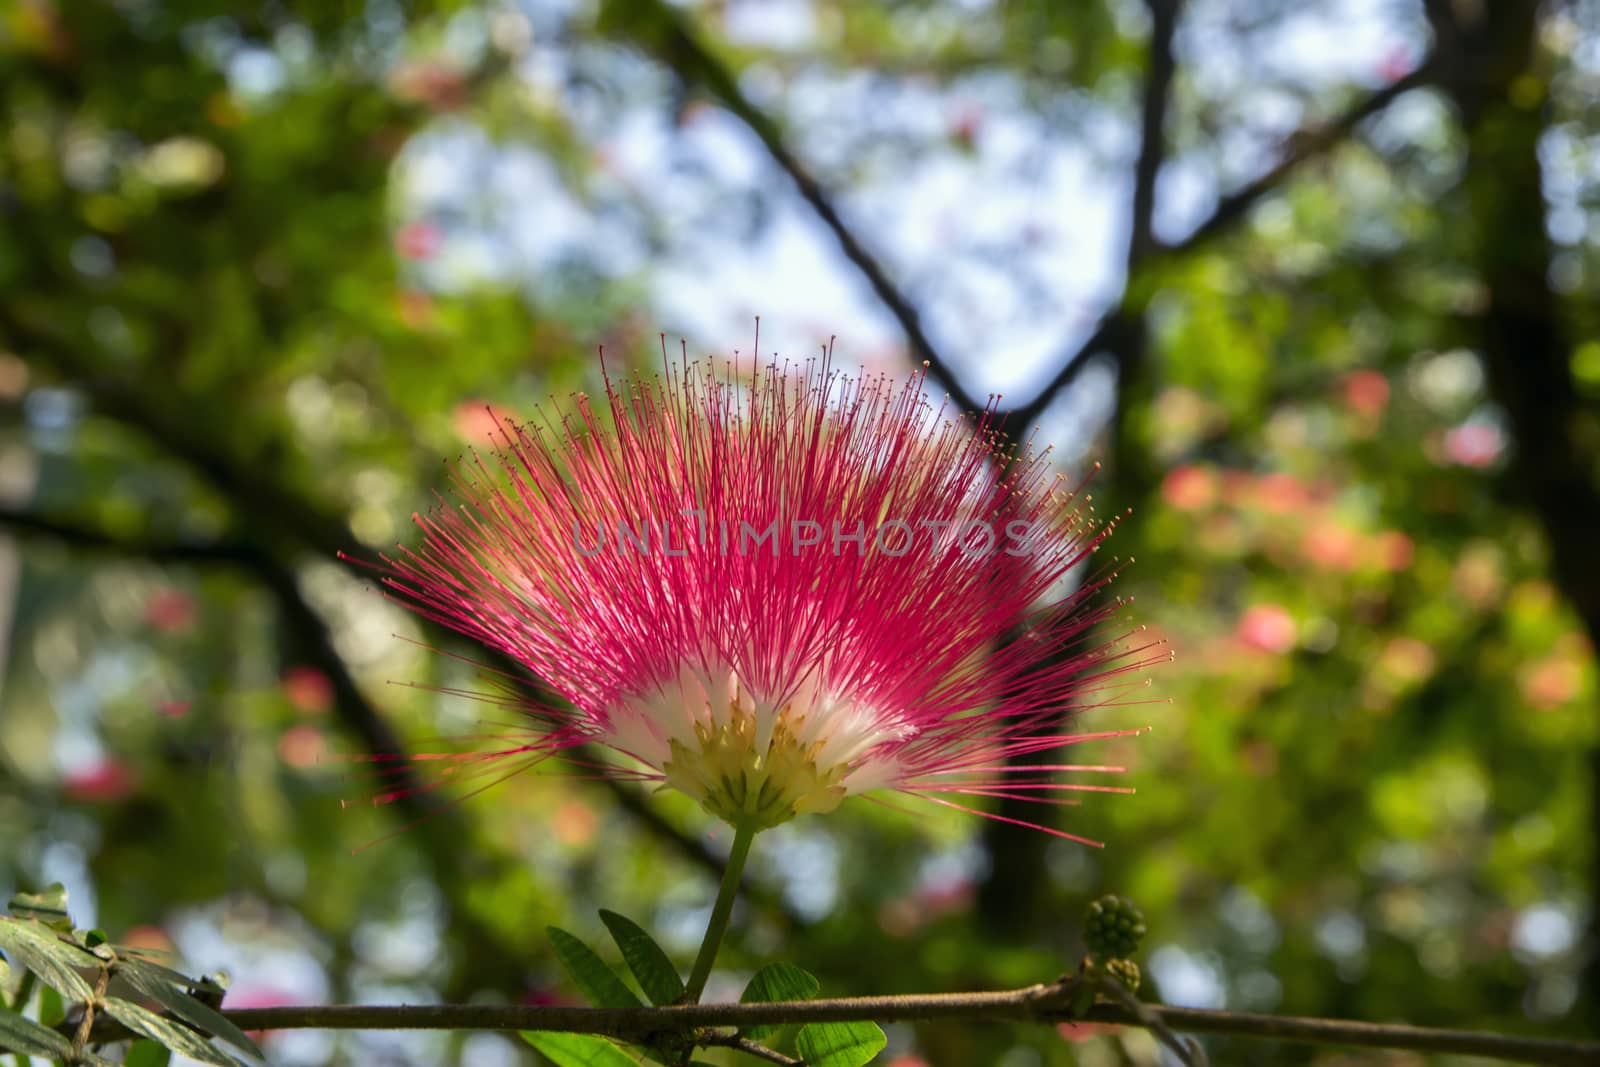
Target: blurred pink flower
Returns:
[[479, 423], [550, 997], [147, 937], [302, 746], [1085, 1031], [418, 240], [1366, 392], [1267, 628], [259, 996], [1189, 488], [1331, 545], [965, 124], [1393, 550], [102, 782], [414, 308], [170, 610], [861, 643], [307, 690], [1474, 444], [1282, 494], [430, 83], [1407, 660], [1552, 682], [1396, 62], [574, 823]]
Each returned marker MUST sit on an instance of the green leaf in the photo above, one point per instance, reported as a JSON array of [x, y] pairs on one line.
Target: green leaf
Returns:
[[153, 982], [650, 965], [597, 981], [840, 1044], [52, 1009], [774, 982], [48, 906], [174, 1035], [46, 955], [20, 1034], [577, 1050], [147, 1054]]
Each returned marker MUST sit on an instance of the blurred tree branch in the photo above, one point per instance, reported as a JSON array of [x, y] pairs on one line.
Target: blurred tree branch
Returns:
[[1230, 210], [668, 34], [1045, 1004]]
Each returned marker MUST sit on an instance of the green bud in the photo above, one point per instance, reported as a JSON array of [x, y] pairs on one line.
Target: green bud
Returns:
[[1124, 971], [1113, 927]]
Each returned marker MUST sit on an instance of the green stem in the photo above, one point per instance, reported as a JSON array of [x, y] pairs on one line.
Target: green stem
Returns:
[[743, 835]]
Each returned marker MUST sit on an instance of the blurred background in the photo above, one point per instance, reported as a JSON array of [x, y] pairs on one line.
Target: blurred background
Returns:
[[1315, 283]]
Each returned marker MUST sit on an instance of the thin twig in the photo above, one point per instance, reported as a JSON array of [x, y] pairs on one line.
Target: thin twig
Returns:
[[751, 1048], [86, 1024], [1047, 1004], [1187, 1050]]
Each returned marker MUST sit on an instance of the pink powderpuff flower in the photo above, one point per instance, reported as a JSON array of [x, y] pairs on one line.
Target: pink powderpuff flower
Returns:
[[775, 587], [105, 781]]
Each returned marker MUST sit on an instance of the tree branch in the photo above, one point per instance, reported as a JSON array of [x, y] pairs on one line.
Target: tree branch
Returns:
[[1299, 148], [749, 1048], [1044, 1004], [677, 44], [353, 708]]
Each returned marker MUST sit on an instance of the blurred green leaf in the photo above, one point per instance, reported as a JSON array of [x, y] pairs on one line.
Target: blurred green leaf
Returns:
[[147, 1054], [19, 1034], [577, 1050], [599, 983], [650, 965], [52, 1009], [49, 906], [840, 1044]]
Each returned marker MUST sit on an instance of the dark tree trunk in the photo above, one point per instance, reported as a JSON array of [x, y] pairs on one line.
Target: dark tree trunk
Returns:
[[1490, 70]]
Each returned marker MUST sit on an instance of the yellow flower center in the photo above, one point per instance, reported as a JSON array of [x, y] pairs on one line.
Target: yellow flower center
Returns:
[[740, 784]]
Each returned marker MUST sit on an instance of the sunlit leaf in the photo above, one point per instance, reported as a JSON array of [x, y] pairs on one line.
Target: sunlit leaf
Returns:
[[775, 982], [840, 1044], [577, 1050]]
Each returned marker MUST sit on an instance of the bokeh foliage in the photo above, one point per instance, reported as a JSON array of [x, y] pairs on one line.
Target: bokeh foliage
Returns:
[[261, 269]]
